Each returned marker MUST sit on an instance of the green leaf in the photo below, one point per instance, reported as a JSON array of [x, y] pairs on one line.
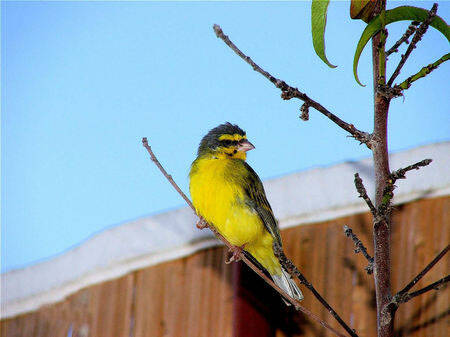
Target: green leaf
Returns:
[[403, 13], [318, 23]]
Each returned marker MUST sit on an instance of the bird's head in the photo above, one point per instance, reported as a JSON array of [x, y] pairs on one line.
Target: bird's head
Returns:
[[225, 141]]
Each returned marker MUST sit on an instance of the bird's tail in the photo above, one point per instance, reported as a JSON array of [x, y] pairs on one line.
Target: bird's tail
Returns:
[[285, 282]]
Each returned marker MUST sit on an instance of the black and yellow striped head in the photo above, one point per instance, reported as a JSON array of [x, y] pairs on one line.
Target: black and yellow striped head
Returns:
[[225, 141]]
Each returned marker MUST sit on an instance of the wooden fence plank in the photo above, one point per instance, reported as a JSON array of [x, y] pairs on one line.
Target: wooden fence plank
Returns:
[[110, 305], [193, 296], [149, 301]]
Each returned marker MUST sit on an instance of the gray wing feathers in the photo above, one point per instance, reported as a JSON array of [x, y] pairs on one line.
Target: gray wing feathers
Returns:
[[285, 282]]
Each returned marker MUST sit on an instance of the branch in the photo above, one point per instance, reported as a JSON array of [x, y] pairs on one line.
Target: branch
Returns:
[[360, 248], [417, 37], [363, 194], [381, 81], [410, 31], [289, 266], [388, 192], [249, 263], [406, 84], [400, 173], [289, 92], [440, 284], [402, 294], [164, 172]]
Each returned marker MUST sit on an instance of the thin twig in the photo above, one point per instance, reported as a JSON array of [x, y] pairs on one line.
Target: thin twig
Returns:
[[249, 263], [289, 266], [383, 34], [164, 172], [400, 173], [417, 37], [410, 31], [363, 194], [289, 92], [406, 84], [398, 298], [439, 284], [360, 248], [388, 192]]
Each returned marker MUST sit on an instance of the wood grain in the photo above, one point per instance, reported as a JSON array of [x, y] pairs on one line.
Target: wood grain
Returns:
[[193, 296]]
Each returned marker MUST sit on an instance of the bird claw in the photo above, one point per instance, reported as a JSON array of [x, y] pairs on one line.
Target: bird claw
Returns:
[[234, 254], [201, 223]]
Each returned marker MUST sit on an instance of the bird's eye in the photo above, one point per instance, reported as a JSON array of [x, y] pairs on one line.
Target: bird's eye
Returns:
[[227, 142]]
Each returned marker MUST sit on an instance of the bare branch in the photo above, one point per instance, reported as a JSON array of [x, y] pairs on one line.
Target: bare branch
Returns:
[[400, 296], [417, 37], [410, 31], [289, 92], [406, 84], [388, 192], [202, 224], [164, 172], [363, 194], [289, 266], [400, 173], [440, 284], [360, 248]]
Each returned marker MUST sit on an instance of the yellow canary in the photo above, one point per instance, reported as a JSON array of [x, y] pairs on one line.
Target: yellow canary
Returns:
[[228, 194]]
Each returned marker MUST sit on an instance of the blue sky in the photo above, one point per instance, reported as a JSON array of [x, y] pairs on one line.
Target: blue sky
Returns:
[[82, 83]]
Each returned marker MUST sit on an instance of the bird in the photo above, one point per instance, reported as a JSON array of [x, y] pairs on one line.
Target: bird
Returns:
[[228, 194]]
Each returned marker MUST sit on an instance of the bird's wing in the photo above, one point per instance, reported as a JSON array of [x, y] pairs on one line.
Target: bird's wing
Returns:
[[256, 199]]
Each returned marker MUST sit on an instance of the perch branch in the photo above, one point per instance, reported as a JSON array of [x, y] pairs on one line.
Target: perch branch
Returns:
[[289, 92], [164, 172], [410, 31], [402, 294], [289, 266], [249, 263], [406, 84], [417, 37], [360, 248]]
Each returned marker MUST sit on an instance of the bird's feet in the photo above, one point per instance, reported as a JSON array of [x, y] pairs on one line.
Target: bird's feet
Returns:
[[234, 254], [201, 223]]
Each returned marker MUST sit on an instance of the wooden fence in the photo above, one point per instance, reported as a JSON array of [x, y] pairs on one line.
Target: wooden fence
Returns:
[[196, 295]]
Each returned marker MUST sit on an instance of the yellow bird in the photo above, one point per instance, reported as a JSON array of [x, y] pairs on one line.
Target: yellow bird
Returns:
[[228, 194]]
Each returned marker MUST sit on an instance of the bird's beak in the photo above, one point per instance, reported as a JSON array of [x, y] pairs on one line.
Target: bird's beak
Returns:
[[245, 146]]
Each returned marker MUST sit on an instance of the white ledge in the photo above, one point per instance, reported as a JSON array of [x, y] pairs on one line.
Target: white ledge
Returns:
[[305, 197]]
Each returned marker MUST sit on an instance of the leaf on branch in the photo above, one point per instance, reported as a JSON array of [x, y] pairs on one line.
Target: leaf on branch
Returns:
[[318, 23], [362, 9], [403, 13]]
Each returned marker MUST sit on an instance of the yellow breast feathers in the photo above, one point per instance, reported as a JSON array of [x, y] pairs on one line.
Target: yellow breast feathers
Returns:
[[219, 198]]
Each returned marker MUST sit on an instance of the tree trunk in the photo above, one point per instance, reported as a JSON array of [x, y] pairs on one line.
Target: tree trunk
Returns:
[[382, 229]]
